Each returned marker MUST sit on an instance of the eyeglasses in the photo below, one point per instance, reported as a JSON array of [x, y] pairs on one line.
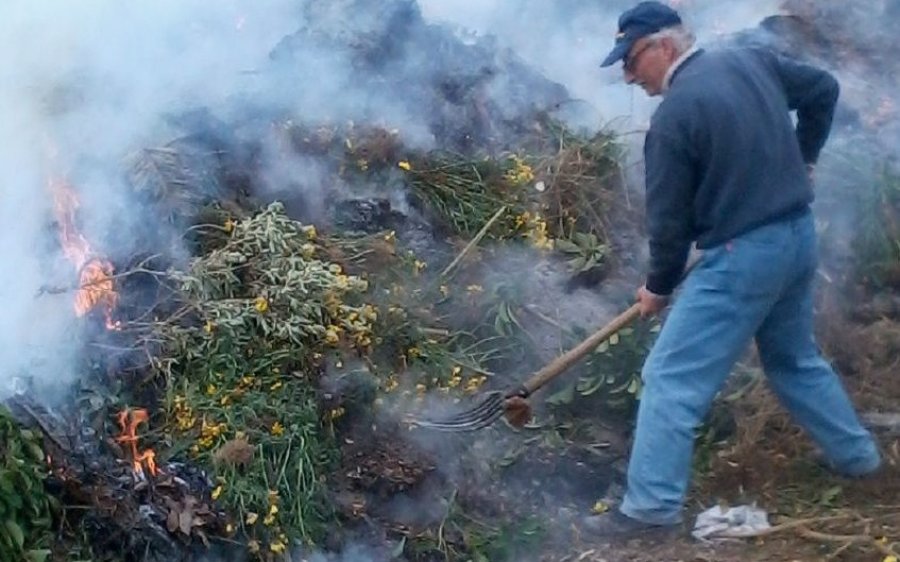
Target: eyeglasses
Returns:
[[630, 61]]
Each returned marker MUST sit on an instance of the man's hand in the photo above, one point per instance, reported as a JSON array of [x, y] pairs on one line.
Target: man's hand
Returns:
[[651, 303]]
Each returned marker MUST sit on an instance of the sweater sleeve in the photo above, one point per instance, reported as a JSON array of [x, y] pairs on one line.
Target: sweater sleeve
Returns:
[[671, 178], [813, 93]]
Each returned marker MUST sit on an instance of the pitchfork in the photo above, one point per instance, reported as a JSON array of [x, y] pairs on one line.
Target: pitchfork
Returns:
[[515, 404]]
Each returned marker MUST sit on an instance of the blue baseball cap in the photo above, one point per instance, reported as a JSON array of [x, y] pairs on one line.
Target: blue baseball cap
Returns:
[[644, 19]]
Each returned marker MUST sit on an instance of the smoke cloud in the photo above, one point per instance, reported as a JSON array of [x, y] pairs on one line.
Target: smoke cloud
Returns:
[[567, 40], [81, 86]]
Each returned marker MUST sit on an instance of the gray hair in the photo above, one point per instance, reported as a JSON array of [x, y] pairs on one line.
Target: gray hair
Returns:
[[681, 36]]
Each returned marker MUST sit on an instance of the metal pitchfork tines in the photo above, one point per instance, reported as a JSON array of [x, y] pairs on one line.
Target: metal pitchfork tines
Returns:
[[484, 414], [514, 404]]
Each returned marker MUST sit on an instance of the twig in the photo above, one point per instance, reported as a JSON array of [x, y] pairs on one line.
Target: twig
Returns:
[[474, 241], [840, 550], [625, 188], [540, 315], [48, 290], [793, 524], [827, 537]]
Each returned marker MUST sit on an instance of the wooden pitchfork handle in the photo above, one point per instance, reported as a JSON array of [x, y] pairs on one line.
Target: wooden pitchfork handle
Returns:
[[559, 365], [567, 359]]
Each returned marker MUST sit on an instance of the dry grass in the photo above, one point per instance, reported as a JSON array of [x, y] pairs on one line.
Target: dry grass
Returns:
[[768, 459]]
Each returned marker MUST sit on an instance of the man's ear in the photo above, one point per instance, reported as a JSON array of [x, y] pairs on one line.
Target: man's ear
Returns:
[[668, 45]]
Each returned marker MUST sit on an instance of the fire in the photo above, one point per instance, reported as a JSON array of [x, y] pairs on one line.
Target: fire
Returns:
[[128, 422], [95, 288]]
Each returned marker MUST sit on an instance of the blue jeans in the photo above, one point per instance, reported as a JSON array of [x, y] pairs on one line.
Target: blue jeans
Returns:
[[759, 285]]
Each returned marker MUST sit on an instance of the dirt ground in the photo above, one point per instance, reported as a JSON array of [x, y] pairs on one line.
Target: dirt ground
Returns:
[[762, 458], [768, 461]]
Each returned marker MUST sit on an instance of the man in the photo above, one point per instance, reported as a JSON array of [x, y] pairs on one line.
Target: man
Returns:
[[726, 169]]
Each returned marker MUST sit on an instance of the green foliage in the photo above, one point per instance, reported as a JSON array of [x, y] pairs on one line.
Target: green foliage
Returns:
[[464, 193], [584, 251], [25, 506], [240, 358], [877, 241], [612, 373]]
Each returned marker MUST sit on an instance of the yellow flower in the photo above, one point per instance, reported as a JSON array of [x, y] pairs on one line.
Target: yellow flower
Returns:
[[229, 528], [413, 352], [229, 225], [277, 547], [404, 165], [216, 492], [310, 232], [523, 219], [261, 305], [390, 237], [419, 265], [276, 386], [208, 327], [332, 335], [272, 496], [277, 429], [210, 389], [600, 507], [521, 173], [251, 518], [474, 383]]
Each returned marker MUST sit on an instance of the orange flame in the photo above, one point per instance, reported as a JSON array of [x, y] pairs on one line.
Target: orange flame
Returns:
[[129, 421], [95, 274]]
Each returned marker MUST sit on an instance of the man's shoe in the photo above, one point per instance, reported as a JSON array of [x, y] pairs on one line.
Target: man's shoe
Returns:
[[820, 460], [617, 525]]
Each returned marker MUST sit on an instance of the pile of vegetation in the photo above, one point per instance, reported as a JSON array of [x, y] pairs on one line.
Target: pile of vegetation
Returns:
[[278, 337], [270, 312]]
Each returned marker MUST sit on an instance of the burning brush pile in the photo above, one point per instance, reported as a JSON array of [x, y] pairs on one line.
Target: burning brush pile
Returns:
[[255, 357], [240, 388], [239, 379]]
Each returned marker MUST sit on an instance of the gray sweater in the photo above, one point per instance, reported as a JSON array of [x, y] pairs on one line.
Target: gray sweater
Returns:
[[723, 155]]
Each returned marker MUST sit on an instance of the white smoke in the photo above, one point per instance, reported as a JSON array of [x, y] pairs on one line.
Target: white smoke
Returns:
[[81, 85], [567, 40]]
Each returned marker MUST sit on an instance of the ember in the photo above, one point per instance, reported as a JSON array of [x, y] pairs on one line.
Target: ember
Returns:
[[95, 287], [128, 422]]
